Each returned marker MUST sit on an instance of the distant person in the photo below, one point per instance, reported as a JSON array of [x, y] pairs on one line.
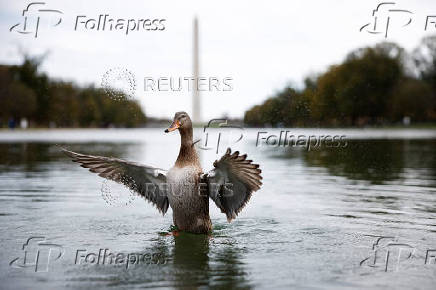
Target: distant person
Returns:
[[24, 123], [11, 123]]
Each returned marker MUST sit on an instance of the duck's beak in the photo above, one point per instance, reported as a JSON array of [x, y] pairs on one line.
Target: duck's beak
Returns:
[[175, 125]]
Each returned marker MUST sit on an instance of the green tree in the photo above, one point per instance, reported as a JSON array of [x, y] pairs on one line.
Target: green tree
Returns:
[[425, 61], [411, 98], [359, 88], [25, 92], [16, 99]]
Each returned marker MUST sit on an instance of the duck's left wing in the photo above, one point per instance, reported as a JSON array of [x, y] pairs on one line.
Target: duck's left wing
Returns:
[[231, 182], [143, 179]]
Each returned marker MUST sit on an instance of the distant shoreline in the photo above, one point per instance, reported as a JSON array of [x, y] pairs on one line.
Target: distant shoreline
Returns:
[[396, 127]]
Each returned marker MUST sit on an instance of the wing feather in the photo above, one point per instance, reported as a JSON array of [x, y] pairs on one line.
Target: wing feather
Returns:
[[145, 180], [232, 182]]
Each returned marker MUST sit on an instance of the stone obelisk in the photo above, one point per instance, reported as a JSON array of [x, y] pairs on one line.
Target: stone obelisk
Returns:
[[196, 105]]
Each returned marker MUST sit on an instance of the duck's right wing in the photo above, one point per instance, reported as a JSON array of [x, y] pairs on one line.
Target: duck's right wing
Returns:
[[231, 182], [148, 181]]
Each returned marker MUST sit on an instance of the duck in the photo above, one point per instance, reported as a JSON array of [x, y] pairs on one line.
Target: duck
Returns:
[[184, 187]]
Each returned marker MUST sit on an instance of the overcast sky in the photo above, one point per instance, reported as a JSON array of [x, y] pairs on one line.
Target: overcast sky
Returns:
[[262, 45]]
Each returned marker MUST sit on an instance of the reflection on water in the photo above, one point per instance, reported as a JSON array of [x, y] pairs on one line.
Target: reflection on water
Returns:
[[190, 258], [310, 225], [377, 160], [33, 156], [194, 268]]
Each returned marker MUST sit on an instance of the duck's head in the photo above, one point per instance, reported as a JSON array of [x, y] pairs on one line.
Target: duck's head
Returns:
[[181, 121]]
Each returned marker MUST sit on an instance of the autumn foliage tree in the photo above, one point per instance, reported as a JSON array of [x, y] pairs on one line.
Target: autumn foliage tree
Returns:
[[372, 86]]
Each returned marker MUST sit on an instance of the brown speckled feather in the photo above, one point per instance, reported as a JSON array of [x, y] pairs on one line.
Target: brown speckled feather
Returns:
[[232, 182], [143, 179]]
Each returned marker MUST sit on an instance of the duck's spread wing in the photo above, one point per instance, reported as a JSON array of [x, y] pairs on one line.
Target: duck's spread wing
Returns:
[[143, 179], [232, 181]]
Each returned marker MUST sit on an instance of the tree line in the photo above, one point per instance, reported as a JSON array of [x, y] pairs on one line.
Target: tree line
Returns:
[[377, 85], [26, 93]]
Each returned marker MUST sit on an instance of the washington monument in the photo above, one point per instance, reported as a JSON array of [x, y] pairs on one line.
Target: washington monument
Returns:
[[196, 105]]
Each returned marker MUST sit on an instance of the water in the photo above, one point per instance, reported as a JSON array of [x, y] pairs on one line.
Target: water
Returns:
[[313, 225]]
